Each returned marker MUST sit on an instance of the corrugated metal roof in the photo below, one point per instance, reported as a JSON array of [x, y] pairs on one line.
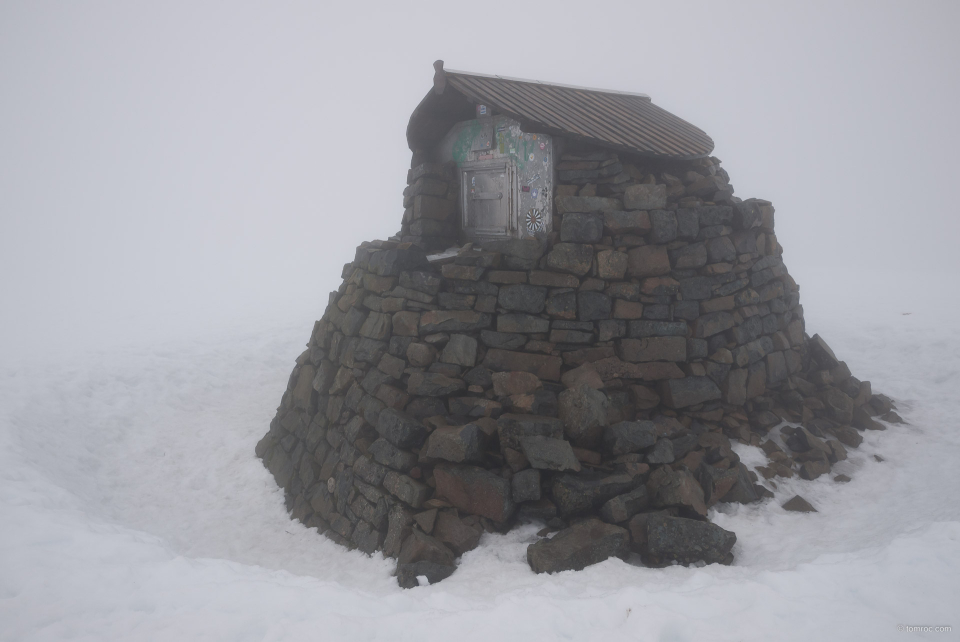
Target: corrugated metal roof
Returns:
[[624, 121]]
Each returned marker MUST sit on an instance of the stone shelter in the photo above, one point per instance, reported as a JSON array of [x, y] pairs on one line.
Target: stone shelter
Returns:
[[575, 324]]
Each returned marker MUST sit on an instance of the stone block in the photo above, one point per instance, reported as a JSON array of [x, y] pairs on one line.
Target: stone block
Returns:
[[458, 444], [611, 264], [648, 260], [653, 349], [525, 486], [522, 323], [475, 491], [581, 545], [577, 204], [629, 436], [645, 197], [593, 306], [461, 350], [619, 223], [547, 453], [511, 427], [663, 226], [689, 391], [434, 321], [689, 257], [581, 228], [522, 298], [677, 539], [572, 258], [546, 367]]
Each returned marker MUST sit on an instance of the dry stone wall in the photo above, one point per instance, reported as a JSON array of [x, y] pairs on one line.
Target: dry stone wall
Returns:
[[592, 379]]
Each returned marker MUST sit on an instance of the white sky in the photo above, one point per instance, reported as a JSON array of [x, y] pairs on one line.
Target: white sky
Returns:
[[171, 168]]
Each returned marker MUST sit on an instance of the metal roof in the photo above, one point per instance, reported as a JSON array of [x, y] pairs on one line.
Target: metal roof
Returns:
[[618, 120]]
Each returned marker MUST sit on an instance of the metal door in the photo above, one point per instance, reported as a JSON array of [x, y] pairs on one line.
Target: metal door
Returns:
[[488, 196]]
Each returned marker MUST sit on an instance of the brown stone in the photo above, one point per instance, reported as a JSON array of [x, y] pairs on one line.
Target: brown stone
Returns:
[[405, 324], [507, 384], [653, 349], [717, 305], [583, 375], [544, 366], [676, 488], [475, 491], [648, 260], [507, 277], [459, 535], [573, 258], [800, 505], [434, 321], [464, 272], [621, 222], [611, 264], [627, 309], [660, 286], [554, 279], [644, 398]]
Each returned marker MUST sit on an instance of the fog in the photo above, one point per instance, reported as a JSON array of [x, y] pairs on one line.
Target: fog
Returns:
[[172, 170]]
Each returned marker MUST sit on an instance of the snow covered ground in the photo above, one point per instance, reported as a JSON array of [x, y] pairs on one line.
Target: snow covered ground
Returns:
[[132, 508]]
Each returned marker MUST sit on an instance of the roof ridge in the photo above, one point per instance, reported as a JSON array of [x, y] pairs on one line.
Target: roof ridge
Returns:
[[549, 84]]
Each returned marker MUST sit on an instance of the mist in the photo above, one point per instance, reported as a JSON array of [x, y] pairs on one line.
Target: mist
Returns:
[[174, 170]]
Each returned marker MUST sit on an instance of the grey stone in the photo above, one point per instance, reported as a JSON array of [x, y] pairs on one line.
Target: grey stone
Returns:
[[653, 349], [393, 262], [647, 328], [400, 429], [581, 228], [522, 323], [629, 437], [689, 257], [581, 545], [593, 306], [406, 489], [689, 391], [688, 225], [461, 350], [687, 541], [576, 494], [408, 574], [566, 204], [663, 226], [622, 507], [571, 258], [522, 298], [662, 452], [427, 282], [626, 222], [434, 321], [399, 526], [677, 488], [389, 455], [799, 504], [456, 444], [431, 384], [475, 491], [525, 485], [743, 490], [546, 453], [511, 427], [721, 250], [645, 197], [503, 340], [822, 352], [583, 412]]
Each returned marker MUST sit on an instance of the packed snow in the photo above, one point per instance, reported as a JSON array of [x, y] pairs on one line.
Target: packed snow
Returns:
[[132, 508]]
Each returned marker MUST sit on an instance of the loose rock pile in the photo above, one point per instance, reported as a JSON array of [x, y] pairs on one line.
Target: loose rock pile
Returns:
[[591, 379]]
